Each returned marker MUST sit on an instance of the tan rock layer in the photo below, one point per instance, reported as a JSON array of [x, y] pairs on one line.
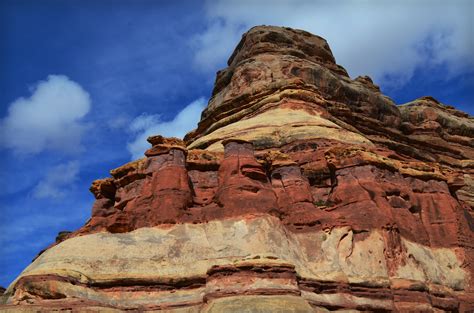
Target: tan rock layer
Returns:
[[257, 256]]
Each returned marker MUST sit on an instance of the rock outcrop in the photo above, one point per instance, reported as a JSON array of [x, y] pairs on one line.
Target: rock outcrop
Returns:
[[301, 190]]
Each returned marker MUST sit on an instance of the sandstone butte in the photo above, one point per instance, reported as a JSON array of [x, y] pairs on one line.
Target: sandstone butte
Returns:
[[301, 190]]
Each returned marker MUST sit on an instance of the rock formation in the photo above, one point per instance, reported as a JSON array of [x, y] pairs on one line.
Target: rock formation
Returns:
[[301, 190]]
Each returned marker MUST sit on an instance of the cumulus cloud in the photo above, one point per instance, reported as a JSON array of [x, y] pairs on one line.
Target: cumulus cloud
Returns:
[[387, 40], [146, 125], [57, 181], [50, 119]]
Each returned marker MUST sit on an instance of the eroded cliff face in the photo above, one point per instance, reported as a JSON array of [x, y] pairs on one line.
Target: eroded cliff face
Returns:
[[301, 190]]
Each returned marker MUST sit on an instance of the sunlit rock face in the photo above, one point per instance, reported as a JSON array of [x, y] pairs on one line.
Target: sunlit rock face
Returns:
[[301, 190]]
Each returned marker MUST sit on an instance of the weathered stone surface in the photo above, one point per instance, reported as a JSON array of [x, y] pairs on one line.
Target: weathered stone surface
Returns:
[[301, 190], [253, 255], [277, 127]]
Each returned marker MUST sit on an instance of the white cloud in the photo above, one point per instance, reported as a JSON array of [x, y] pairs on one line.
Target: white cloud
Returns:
[[387, 40], [50, 119], [118, 122], [146, 125], [57, 181]]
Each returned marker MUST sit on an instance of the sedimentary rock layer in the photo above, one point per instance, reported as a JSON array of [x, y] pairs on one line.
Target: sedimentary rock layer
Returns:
[[301, 190], [194, 265]]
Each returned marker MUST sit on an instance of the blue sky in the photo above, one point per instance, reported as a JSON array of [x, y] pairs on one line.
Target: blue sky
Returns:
[[83, 83]]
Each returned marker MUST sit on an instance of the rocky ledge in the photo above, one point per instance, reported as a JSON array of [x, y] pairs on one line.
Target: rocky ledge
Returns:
[[301, 190]]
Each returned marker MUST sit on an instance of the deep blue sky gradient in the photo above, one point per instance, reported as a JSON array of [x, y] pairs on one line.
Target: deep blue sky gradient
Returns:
[[132, 57]]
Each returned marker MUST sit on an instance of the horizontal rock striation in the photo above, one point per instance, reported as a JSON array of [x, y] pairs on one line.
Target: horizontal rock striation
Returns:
[[301, 190], [256, 255]]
